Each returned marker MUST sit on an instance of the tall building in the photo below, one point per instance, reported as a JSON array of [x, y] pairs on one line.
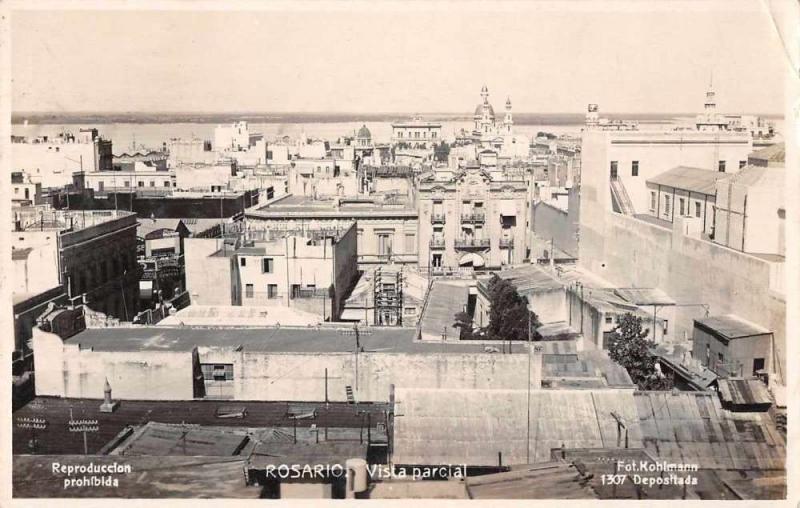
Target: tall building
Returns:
[[91, 253], [473, 219], [52, 160], [621, 242], [311, 270], [416, 134]]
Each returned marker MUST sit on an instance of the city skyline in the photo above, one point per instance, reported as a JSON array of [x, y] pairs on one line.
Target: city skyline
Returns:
[[546, 60]]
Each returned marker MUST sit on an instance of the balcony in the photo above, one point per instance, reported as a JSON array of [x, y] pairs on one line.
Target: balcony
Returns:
[[474, 217], [437, 218], [437, 243], [472, 243], [506, 243]]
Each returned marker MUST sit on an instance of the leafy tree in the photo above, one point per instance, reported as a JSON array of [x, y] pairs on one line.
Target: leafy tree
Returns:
[[441, 152], [629, 347], [509, 315], [463, 321]]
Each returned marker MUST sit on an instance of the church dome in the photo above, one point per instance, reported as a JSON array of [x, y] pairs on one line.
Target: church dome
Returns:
[[479, 110], [363, 132]]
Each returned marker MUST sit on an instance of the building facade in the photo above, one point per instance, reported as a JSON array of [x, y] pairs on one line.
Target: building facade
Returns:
[[91, 253], [416, 134], [474, 219]]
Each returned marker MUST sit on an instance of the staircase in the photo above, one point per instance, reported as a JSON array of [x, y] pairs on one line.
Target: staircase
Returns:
[[620, 199]]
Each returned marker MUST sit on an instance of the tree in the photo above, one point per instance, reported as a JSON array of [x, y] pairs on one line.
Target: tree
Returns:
[[463, 321], [441, 152], [629, 347], [509, 315]]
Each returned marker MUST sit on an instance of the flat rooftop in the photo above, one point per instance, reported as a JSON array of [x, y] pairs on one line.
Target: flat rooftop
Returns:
[[267, 340], [296, 206], [39, 219]]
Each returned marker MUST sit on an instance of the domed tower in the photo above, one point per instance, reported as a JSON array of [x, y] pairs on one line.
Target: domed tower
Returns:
[[363, 136], [508, 122]]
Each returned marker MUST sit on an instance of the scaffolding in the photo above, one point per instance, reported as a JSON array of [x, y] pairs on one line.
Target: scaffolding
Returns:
[[388, 292]]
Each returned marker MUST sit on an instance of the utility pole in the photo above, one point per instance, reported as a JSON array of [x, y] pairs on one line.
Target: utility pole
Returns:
[[34, 424], [83, 426], [528, 419]]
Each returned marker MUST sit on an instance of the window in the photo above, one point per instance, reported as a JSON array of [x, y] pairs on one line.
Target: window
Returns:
[[27, 193], [127, 183], [653, 201], [697, 209], [437, 261], [614, 166], [272, 290], [384, 244], [720, 358], [248, 290], [411, 240], [266, 265], [433, 135], [682, 204], [635, 168], [609, 319], [152, 183], [721, 166], [243, 261], [666, 205], [217, 371], [141, 184], [101, 185], [742, 164], [166, 184]]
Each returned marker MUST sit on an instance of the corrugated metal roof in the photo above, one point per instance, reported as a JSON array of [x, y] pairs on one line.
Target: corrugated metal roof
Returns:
[[743, 392], [691, 179], [773, 153], [472, 426], [731, 326]]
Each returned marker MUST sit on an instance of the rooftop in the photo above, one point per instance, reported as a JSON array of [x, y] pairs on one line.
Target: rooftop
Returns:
[[259, 416], [472, 426], [698, 180], [325, 339], [153, 477], [730, 326], [240, 316], [301, 206], [36, 218], [772, 153]]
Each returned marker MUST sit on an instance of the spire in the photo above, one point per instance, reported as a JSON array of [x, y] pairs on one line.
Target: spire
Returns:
[[485, 93], [508, 103]]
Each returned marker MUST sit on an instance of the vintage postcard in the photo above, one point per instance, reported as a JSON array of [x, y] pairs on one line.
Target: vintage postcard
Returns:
[[470, 251]]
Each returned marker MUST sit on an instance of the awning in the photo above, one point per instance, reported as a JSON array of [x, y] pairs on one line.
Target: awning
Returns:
[[353, 315], [508, 208], [471, 259]]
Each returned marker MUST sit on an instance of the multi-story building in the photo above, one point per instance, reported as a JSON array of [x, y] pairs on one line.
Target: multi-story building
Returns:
[[25, 192], [629, 157], [190, 151], [312, 270], [386, 226], [51, 161], [416, 134], [91, 253], [685, 192], [140, 178], [625, 246], [474, 218]]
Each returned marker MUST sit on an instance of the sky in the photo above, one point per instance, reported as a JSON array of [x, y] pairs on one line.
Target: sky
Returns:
[[635, 57]]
